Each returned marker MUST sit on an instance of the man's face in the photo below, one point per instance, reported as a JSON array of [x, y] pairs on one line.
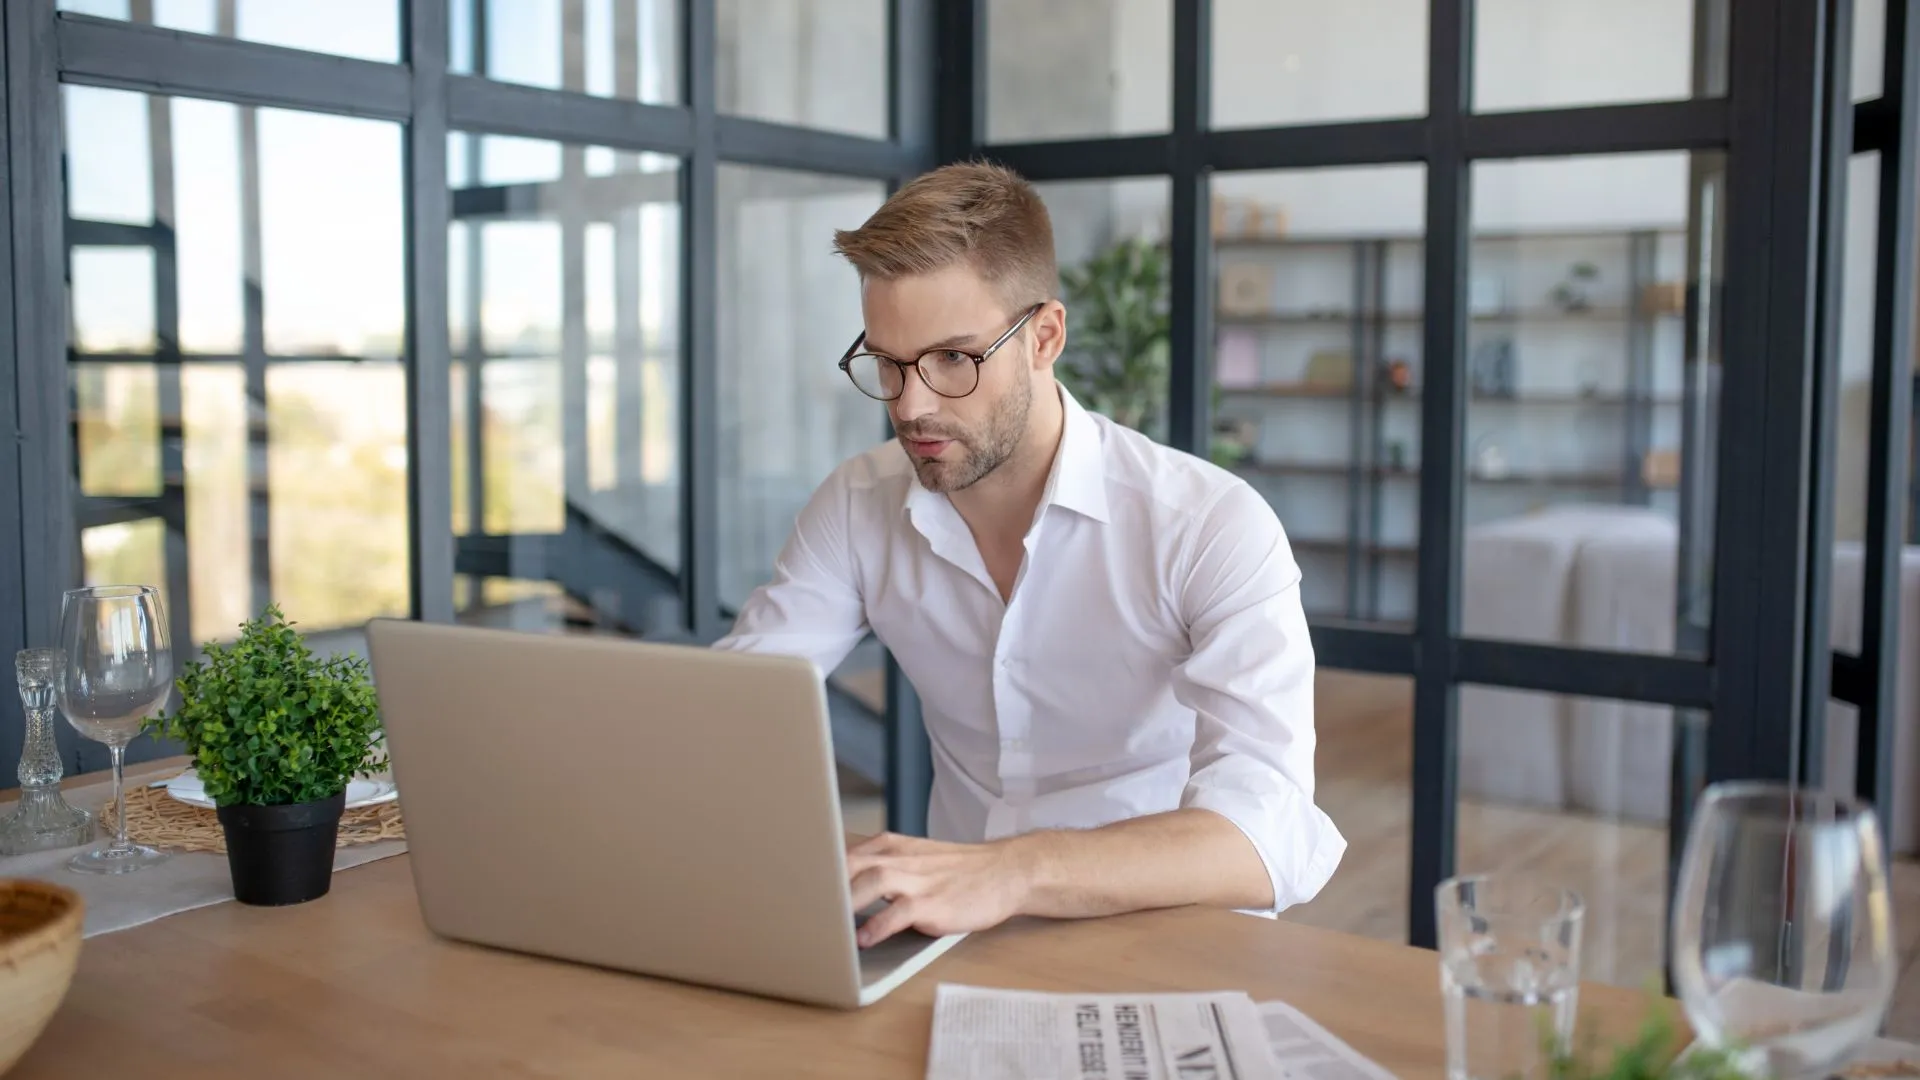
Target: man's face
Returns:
[[953, 442]]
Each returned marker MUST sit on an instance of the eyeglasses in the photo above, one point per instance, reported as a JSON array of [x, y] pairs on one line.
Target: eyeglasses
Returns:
[[952, 373]]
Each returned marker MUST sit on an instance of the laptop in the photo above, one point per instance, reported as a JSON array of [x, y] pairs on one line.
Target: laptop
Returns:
[[667, 810]]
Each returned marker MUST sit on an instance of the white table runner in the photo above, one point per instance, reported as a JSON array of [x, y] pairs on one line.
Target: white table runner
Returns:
[[186, 881]]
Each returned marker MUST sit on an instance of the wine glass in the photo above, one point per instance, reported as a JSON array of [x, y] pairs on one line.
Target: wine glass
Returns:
[[1783, 948], [119, 668]]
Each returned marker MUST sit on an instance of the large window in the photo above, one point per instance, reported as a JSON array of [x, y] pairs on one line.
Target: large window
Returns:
[[363, 29], [564, 314], [238, 311]]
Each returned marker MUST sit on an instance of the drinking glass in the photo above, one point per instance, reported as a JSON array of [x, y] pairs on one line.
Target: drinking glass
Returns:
[[1783, 946], [119, 668], [1509, 973]]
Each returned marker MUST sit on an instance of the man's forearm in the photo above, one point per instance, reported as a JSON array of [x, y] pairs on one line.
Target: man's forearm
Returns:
[[1181, 857]]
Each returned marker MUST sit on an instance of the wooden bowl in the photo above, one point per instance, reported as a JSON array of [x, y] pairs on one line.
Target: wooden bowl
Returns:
[[40, 926]]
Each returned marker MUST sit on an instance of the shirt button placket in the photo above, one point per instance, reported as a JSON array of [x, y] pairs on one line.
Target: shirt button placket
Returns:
[[1016, 755]]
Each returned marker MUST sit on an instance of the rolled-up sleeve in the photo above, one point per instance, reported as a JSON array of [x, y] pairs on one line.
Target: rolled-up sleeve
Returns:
[[1248, 677]]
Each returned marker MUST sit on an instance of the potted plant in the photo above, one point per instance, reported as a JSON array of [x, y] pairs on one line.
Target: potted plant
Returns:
[[275, 733], [1117, 358]]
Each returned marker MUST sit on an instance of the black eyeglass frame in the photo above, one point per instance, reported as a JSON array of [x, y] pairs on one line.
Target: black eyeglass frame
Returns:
[[853, 350]]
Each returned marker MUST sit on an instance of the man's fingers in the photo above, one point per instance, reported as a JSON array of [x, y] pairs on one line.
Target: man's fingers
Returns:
[[887, 922], [882, 843], [881, 883]]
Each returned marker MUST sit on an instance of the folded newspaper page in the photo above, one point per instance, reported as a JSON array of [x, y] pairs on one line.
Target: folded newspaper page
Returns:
[[983, 1034], [1304, 1050]]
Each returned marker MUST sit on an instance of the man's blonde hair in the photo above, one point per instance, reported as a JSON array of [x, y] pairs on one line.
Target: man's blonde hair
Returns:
[[978, 214]]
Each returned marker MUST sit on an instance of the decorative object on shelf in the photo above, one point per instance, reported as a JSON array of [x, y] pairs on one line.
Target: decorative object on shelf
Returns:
[[1232, 438], [1489, 461], [1397, 375], [40, 939], [1116, 362], [1664, 298], [1246, 288], [1492, 368], [275, 734], [1660, 468], [1329, 367], [1236, 363], [1589, 375], [1397, 455], [42, 819], [1571, 296], [1247, 219]]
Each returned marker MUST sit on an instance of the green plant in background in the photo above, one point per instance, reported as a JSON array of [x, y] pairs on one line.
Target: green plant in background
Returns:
[[1654, 1053], [268, 723], [1119, 337]]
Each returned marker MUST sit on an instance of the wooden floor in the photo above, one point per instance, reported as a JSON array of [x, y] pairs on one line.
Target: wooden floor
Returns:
[[1364, 764]]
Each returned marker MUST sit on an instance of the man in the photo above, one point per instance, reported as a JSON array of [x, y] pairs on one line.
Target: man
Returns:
[[1106, 634]]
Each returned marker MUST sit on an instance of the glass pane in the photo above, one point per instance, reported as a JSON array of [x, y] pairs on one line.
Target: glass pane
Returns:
[[130, 553], [117, 417], [1100, 229], [109, 163], [1363, 776], [337, 473], [1588, 512], [365, 29], [1307, 62], [815, 63], [1576, 790], [299, 496], [1869, 48], [112, 299], [208, 239], [1538, 54], [332, 235], [1318, 289], [218, 427], [788, 306], [564, 313], [1117, 81], [625, 49], [1854, 399]]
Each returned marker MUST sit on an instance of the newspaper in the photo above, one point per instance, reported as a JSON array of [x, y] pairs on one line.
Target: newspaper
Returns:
[[985, 1034], [1306, 1051]]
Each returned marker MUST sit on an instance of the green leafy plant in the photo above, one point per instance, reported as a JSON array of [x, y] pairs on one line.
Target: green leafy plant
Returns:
[[1654, 1053], [1117, 363], [268, 723], [1121, 330]]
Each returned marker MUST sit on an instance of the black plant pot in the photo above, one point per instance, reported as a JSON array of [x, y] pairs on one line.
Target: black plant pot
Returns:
[[282, 854]]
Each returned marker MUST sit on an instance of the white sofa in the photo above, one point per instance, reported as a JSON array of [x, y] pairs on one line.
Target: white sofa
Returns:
[[1603, 578]]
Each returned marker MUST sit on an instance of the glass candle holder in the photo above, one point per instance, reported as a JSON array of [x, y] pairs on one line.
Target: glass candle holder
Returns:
[[42, 819]]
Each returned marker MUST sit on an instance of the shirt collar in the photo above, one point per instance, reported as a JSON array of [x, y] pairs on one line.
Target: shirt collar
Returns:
[[1078, 477]]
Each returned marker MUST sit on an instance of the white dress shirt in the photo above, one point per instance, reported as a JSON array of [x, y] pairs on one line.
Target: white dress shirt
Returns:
[[1154, 653]]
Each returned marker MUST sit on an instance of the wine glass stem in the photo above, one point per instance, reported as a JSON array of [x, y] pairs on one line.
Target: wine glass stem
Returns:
[[119, 796]]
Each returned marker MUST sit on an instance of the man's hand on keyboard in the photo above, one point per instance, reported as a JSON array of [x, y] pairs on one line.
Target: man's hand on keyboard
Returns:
[[934, 887]]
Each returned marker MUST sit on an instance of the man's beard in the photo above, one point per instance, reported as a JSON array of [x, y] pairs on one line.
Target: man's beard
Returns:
[[984, 452]]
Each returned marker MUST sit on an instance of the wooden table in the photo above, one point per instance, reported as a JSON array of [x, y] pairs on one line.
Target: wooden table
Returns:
[[355, 985]]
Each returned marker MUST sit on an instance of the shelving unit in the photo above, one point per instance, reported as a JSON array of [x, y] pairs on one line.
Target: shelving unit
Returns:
[[1574, 378]]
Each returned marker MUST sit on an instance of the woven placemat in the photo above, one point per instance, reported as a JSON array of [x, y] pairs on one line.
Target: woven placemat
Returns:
[[160, 820]]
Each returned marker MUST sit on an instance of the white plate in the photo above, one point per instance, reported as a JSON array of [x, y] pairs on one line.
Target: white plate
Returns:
[[361, 791]]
